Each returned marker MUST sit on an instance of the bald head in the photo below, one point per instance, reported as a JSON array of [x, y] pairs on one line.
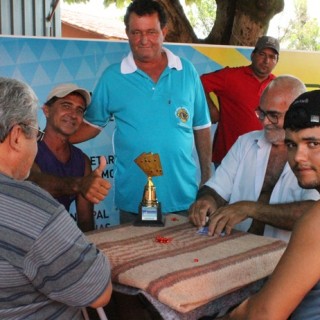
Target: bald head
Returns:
[[285, 88], [274, 103]]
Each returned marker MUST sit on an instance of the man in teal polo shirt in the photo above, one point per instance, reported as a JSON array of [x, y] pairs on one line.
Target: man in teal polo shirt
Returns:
[[159, 106]]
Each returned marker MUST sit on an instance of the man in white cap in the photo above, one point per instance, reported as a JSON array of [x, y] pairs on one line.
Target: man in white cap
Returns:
[[60, 167], [238, 91]]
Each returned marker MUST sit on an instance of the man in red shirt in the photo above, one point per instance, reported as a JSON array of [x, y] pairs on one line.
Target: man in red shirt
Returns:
[[238, 91]]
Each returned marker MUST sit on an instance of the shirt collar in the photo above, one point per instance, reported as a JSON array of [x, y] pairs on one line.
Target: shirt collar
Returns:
[[129, 66], [248, 70], [262, 141]]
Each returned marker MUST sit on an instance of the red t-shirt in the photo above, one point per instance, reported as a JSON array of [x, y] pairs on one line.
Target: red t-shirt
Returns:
[[238, 92]]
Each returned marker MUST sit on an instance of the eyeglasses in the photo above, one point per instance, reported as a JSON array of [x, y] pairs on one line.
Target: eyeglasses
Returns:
[[40, 133], [272, 116]]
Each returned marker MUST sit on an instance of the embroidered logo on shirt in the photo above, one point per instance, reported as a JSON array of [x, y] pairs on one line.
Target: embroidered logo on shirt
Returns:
[[182, 114]]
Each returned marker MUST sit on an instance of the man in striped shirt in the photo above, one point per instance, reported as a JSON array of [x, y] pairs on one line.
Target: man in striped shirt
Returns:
[[48, 269]]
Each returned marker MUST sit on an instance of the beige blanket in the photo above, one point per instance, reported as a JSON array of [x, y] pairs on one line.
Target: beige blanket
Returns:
[[190, 269]]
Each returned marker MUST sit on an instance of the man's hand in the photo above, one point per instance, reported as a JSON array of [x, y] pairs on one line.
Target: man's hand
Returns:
[[93, 187], [225, 218], [200, 209]]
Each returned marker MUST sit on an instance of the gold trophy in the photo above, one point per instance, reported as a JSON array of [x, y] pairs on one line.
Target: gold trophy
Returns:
[[149, 208]]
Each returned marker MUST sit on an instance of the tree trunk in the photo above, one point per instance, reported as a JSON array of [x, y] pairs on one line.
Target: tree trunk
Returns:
[[222, 28], [180, 29], [238, 22], [251, 20]]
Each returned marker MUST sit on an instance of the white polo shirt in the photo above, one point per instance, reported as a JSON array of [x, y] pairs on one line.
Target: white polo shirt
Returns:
[[241, 175]]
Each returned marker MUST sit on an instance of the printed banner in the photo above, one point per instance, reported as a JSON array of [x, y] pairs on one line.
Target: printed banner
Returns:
[[46, 62]]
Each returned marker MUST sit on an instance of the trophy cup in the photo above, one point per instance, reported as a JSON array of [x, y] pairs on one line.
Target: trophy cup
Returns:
[[149, 208]]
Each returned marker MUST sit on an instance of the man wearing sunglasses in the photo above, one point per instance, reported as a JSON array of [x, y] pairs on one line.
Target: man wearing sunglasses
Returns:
[[254, 188], [60, 167]]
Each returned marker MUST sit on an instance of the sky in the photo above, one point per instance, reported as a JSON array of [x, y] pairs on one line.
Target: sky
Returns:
[[282, 18]]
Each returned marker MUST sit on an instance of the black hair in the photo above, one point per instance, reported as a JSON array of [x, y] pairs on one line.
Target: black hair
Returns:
[[146, 7]]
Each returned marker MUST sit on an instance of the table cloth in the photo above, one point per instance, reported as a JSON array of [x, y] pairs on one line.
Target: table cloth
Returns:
[[182, 269]]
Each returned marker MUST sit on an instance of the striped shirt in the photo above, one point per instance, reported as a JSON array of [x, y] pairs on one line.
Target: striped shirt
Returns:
[[48, 269]]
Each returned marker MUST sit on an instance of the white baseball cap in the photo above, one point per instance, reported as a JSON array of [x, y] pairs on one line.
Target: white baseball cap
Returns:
[[64, 89]]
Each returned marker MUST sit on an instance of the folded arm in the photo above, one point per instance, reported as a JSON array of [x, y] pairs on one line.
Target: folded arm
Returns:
[[213, 109]]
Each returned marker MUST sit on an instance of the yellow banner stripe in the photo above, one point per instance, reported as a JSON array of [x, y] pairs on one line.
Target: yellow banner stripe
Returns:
[[302, 64], [224, 55]]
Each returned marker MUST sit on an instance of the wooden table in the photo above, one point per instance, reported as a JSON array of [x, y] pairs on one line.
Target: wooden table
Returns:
[[184, 271]]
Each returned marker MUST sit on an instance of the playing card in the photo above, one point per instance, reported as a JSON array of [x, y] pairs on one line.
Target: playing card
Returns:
[[203, 230]]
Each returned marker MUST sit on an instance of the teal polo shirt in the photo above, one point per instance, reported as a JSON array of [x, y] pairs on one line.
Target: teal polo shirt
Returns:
[[152, 117]]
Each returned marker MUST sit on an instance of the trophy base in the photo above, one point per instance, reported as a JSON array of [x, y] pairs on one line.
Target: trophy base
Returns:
[[150, 216]]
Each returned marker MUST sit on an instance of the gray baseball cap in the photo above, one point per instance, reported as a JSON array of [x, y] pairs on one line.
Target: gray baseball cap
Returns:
[[267, 42]]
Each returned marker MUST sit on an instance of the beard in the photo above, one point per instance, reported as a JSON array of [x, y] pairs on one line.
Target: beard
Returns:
[[309, 185], [274, 135], [310, 181]]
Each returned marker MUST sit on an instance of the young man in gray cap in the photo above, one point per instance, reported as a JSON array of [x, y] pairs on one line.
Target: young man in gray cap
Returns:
[[60, 167], [293, 291], [238, 91]]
